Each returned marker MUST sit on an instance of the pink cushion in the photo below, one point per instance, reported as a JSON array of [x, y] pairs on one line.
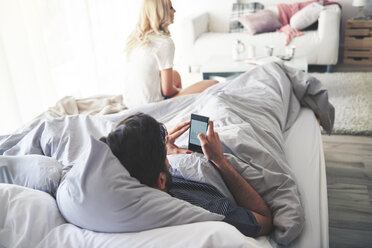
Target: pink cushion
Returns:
[[260, 22]]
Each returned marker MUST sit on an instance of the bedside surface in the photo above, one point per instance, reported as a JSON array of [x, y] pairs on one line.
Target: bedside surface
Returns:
[[358, 42], [225, 66]]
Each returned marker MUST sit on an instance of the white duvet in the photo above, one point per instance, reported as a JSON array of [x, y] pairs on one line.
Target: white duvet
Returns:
[[251, 125], [30, 218]]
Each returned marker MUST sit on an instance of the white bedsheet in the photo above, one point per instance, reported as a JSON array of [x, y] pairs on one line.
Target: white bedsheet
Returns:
[[30, 218], [202, 234], [305, 155]]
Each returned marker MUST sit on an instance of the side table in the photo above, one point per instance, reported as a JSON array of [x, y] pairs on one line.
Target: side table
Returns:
[[358, 42], [225, 66]]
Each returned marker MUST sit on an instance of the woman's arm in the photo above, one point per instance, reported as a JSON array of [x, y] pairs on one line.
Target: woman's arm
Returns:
[[243, 192], [168, 86]]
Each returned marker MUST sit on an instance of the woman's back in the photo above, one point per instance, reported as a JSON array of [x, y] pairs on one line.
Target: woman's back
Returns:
[[144, 63]]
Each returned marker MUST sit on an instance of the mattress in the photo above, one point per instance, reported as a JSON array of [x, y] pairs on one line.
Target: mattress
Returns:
[[304, 152]]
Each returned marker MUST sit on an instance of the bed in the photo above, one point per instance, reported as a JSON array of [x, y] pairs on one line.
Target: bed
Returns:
[[30, 217]]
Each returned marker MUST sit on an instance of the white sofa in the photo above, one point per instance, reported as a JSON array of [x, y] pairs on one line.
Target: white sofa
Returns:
[[206, 35]]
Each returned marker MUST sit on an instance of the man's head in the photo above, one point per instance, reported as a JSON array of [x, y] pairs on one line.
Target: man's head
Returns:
[[139, 142]]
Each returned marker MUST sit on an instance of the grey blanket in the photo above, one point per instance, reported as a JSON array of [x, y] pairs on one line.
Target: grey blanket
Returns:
[[250, 113]]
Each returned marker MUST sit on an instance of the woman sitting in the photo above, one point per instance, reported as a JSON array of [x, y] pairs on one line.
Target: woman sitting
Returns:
[[150, 52]]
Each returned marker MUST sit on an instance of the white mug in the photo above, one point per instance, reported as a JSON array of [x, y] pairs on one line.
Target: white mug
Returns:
[[251, 51], [238, 50], [269, 50], [290, 51]]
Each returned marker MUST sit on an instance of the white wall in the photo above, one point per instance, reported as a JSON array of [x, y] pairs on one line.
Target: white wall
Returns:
[[51, 48]]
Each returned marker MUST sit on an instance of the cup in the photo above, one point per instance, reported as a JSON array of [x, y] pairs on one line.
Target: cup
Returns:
[[269, 50], [251, 51], [290, 51], [238, 50]]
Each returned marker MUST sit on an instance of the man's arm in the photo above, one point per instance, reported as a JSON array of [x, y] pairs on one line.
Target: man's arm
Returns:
[[242, 191]]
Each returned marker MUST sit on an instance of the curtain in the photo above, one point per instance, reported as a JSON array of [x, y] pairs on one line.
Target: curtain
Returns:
[[55, 48]]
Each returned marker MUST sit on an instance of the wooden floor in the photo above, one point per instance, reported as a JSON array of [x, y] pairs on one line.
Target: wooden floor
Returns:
[[340, 67], [349, 180]]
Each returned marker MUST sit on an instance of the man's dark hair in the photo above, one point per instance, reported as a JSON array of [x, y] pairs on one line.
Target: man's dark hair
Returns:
[[138, 142]]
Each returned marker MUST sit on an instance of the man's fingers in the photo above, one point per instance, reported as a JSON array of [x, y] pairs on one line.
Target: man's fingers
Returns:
[[202, 139], [183, 124], [179, 126], [210, 130], [179, 132]]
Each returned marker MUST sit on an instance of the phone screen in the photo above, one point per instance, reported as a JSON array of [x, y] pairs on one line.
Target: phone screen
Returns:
[[196, 128], [198, 124]]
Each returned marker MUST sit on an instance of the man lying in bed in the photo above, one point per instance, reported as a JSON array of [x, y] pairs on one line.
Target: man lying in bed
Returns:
[[141, 144]]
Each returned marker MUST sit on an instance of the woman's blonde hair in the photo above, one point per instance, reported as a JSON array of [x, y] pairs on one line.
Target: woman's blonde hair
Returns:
[[154, 18]]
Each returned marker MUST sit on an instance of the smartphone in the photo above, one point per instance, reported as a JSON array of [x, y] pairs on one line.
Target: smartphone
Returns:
[[198, 124]]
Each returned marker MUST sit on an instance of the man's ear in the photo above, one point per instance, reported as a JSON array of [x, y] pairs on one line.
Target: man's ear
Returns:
[[161, 181]]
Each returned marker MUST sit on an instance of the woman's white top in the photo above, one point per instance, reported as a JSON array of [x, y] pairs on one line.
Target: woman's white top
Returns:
[[142, 82]]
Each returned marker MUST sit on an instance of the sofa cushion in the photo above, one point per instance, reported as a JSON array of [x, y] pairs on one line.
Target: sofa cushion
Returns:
[[242, 9], [260, 22], [306, 16]]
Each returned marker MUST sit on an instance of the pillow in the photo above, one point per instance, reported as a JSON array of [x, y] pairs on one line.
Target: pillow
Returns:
[[196, 167], [26, 216], [31, 171], [306, 16], [99, 194], [242, 9], [263, 21]]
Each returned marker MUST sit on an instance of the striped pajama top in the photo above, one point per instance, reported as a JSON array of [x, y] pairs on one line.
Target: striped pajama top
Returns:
[[209, 198]]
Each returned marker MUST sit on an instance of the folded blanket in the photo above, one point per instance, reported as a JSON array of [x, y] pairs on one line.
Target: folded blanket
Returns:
[[290, 33], [99, 105], [286, 11]]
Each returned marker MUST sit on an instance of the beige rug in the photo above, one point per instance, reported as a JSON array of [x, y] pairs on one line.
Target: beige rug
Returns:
[[351, 95]]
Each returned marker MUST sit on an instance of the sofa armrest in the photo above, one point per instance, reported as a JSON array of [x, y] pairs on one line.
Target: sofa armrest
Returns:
[[329, 30], [193, 27]]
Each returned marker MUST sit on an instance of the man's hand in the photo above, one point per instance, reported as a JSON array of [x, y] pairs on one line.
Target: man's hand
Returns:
[[173, 134], [211, 145], [242, 191]]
